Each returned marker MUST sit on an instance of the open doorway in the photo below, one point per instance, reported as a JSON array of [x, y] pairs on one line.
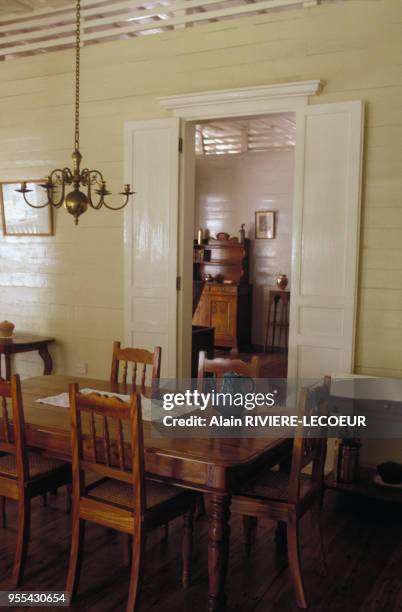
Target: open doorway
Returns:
[[244, 184], [159, 230]]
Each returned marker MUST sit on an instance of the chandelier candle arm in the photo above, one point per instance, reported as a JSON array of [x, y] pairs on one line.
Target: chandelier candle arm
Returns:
[[24, 190], [76, 201], [96, 178], [126, 192]]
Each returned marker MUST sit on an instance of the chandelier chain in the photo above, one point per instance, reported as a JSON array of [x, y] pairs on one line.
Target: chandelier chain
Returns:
[[77, 76], [76, 201]]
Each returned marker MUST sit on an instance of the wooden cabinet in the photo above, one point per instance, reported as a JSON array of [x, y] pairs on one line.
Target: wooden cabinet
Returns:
[[226, 308], [225, 302], [223, 310], [202, 315]]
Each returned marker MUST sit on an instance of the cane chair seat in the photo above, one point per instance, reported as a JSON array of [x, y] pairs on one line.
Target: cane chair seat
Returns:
[[121, 493], [38, 465], [270, 484]]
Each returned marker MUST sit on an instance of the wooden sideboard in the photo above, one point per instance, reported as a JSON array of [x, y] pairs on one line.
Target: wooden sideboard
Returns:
[[225, 306]]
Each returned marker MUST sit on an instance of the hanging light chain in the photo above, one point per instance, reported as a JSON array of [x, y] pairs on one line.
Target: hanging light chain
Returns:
[[76, 201], [77, 76]]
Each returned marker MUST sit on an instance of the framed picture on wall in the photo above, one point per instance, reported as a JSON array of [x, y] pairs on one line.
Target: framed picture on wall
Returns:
[[18, 218], [265, 224]]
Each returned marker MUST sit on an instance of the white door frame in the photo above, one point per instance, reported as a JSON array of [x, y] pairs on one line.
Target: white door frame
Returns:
[[245, 102]]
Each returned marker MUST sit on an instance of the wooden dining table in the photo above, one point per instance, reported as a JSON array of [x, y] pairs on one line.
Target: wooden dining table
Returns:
[[208, 465]]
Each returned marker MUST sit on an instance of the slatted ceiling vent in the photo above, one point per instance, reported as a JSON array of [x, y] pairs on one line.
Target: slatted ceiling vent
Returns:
[[240, 136], [28, 27]]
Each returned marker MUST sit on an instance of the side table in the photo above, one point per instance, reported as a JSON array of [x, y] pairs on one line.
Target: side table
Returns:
[[279, 321], [25, 343]]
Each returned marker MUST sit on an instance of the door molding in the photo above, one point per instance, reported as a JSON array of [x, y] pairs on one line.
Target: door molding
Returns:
[[198, 106], [279, 97]]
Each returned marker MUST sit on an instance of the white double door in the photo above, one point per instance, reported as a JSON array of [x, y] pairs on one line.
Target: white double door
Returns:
[[324, 247]]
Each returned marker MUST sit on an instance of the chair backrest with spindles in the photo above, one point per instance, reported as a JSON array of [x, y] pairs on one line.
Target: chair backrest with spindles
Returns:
[[308, 450], [107, 440], [218, 367], [13, 430], [137, 357]]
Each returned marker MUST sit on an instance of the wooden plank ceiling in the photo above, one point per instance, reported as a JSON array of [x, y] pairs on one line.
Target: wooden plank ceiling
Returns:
[[39, 26], [244, 135]]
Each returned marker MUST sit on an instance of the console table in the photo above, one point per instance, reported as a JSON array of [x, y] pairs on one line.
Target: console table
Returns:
[[25, 343], [279, 323]]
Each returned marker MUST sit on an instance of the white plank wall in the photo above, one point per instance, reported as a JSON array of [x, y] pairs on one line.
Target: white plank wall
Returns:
[[71, 285], [229, 190]]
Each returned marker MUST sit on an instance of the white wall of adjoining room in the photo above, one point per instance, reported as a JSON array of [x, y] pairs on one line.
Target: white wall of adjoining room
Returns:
[[229, 190]]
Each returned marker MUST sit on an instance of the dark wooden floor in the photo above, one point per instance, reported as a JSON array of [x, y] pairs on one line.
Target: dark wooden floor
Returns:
[[363, 543]]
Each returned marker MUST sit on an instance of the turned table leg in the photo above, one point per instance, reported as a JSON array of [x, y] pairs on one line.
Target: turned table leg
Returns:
[[47, 359], [218, 550]]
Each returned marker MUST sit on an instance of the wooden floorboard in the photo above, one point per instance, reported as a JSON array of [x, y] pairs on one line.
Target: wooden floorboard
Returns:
[[363, 544]]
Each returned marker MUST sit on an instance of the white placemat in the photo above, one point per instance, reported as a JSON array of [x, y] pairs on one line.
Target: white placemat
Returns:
[[62, 400], [55, 400]]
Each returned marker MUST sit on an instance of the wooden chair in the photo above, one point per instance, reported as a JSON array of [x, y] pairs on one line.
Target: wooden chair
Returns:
[[24, 474], [219, 366], [287, 497], [107, 440], [136, 357]]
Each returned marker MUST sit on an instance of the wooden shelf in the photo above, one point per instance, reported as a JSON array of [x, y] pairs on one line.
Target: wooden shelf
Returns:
[[220, 262], [365, 486], [225, 258], [225, 306]]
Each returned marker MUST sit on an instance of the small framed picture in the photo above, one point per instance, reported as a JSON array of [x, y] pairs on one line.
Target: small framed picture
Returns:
[[18, 218], [265, 224]]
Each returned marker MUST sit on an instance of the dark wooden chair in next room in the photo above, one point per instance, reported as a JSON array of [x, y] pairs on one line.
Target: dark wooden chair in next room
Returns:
[[287, 497], [107, 440], [219, 366]]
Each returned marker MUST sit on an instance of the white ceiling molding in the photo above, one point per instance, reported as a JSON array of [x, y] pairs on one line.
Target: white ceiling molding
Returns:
[[235, 102]]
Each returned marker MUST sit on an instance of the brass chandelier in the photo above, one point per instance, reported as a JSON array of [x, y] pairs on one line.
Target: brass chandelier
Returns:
[[76, 201]]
